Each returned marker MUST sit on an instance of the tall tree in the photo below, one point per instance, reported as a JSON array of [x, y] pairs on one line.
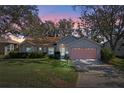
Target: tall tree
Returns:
[[14, 19], [49, 28], [65, 26], [104, 22]]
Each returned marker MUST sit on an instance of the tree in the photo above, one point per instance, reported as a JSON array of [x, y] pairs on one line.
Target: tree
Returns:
[[35, 29], [104, 22], [16, 19], [62, 28], [49, 28], [65, 27]]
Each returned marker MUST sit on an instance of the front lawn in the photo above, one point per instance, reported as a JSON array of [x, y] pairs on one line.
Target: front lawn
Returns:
[[118, 63], [36, 73]]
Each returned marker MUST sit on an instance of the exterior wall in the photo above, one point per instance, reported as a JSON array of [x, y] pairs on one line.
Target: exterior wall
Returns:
[[23, 47]]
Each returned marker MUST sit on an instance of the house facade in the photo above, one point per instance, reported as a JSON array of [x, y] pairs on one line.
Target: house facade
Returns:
[[39, 45], [69, 46], [7, 45]]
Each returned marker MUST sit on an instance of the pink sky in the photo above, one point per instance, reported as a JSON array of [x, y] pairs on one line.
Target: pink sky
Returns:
[[56, 18], [56, 12]]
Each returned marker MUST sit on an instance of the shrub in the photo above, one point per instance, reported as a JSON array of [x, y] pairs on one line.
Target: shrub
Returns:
[[24, 55], [106, 54], [55, 56], [65, 64], [52, 56], [118, 62]]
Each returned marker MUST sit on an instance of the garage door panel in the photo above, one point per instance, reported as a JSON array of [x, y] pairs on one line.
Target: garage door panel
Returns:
[[83, 53]]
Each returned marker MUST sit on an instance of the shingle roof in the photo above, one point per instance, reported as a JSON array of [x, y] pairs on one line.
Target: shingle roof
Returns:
[[46, 41], [71, 39], [67, 39], [4, 40]]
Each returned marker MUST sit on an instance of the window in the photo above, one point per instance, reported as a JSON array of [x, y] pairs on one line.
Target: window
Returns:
[[9, 48], [28, 49], [50, 50]]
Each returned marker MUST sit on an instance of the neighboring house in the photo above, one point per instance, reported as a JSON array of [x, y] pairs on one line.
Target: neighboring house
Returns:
[[39, 45], [73, 47], [119, 50], [79, 48], [7, 45]]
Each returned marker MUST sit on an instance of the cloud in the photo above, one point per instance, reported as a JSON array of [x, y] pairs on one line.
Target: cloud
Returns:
[[56, 17]]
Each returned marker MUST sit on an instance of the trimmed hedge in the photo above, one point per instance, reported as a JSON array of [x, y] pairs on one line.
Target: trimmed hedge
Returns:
[[25, 55]]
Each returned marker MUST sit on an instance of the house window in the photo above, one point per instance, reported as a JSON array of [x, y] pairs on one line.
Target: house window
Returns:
[[28, 49], [9, 48], [51, 50]]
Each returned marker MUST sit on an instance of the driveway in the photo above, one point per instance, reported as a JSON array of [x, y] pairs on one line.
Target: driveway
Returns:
[[98, 75]]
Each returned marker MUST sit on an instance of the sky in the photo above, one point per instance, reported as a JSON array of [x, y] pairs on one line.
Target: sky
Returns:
[[56, 12]]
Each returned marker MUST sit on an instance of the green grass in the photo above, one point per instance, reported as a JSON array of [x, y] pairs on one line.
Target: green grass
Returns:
[[36, 73], [118, 63]]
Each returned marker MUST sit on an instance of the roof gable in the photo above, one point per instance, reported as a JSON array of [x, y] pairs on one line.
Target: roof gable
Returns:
[[83, 41], [90, 40], [67, 39]]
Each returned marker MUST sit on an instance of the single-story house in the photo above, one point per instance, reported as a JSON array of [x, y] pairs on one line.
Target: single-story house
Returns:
[[7, 45], [73, 47], [119, 50]]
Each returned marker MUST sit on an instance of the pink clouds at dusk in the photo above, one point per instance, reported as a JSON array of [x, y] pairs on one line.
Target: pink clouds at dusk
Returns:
[[56, 18], [57, 12]]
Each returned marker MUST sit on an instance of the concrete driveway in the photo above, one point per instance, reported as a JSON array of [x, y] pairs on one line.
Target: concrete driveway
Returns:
[[98, 75]]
